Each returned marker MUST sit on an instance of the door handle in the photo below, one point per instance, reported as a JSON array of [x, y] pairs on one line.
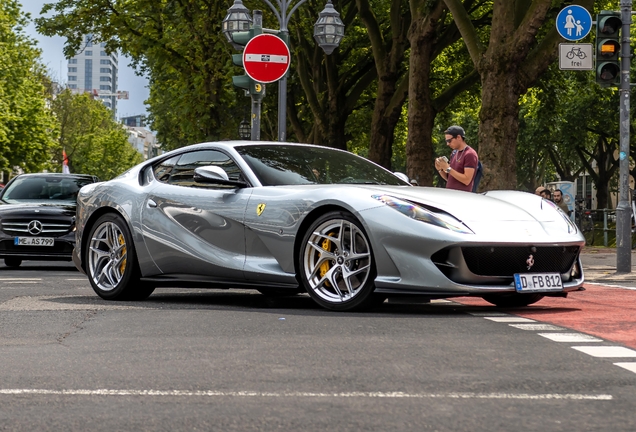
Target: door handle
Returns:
[[152, 204]]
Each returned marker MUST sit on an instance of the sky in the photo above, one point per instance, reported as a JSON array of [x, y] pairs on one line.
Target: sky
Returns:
[[53, 59]]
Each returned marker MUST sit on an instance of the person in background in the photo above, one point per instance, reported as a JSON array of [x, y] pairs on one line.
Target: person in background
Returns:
[[539, 190], [545, 193], [558, 200], [459, 172]]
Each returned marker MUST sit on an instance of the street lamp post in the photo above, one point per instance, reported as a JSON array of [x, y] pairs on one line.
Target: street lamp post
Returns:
[[328, 32]]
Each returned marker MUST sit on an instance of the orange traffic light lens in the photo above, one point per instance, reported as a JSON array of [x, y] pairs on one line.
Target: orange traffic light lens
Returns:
[[608, 49]]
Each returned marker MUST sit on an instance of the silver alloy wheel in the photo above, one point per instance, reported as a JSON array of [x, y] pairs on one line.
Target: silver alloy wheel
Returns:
[[107, 256], [337, 260]]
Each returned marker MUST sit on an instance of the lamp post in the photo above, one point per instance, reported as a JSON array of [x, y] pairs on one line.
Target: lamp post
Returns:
[[328, 32], [244, 130], [237, 19]]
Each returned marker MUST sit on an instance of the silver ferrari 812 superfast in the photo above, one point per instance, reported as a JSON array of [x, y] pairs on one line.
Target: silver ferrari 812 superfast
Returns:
[[289, 218]]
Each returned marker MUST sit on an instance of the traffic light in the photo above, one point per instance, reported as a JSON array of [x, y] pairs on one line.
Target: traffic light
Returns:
[[252, 87], [608, 47]]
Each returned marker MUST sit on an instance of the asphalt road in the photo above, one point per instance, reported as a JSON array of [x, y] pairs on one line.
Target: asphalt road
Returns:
[[239, 361]]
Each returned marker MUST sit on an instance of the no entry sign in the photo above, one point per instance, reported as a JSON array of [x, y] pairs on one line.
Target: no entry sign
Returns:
[[266, 58]]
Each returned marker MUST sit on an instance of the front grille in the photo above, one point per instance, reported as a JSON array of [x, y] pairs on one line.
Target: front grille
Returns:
[[48, 228], [508, 260]]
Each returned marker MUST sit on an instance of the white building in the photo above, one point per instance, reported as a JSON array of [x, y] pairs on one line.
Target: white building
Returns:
[[144, 141], [94, 70]]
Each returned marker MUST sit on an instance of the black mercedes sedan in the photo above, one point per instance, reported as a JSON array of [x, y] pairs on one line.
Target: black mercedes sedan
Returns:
[[37, 216]]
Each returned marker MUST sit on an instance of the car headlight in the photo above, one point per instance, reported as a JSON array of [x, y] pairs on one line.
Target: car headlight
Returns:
[[416, 212], [569, 226]]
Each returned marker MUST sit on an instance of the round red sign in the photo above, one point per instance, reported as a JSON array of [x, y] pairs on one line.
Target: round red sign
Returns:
[[266, 58]]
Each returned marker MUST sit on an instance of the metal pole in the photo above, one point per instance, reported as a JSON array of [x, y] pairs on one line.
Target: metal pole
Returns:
[[282, 98], [256, 118], [623, 210]]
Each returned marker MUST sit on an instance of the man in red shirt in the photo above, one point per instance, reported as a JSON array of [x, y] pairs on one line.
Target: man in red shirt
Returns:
[[459, 172]]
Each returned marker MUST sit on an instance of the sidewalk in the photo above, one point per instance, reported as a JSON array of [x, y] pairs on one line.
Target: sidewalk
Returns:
[[599, 266]]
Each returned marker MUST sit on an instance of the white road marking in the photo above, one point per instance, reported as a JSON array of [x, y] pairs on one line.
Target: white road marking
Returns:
[[611, 286], [488, 314], [57, 303], [510, 319], [630, 366], [606, 351], [21, 282], [570, 337], [20, 279], [536, 327], [386, 395], [441, 301]]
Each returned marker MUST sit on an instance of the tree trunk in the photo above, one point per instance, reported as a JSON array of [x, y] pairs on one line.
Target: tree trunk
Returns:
[[383, 122], [499, 126], [419, 145]]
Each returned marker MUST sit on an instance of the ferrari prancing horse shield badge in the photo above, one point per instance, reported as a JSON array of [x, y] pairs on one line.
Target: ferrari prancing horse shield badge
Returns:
[[260, 208]]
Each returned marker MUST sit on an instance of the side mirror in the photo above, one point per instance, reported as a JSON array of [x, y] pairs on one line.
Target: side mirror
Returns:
[[402, 177], [212, 174]]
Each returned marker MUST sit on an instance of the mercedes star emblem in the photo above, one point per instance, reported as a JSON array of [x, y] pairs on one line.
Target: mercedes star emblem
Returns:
[[35, 227]]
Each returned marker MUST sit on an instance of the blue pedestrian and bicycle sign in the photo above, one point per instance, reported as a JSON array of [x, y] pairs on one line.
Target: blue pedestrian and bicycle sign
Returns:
[[574, 22]]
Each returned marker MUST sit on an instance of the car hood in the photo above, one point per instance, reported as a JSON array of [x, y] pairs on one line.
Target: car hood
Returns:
[[37, 208], [471, 207]]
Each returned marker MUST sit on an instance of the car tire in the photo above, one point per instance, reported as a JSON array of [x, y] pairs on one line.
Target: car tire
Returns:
[[513, 300], [111, 263], [12, 262], [338, 273]]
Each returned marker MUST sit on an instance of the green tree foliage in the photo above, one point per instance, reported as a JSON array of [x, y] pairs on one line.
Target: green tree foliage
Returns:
[[439, 71], [94, 142], [568, 125], [26, 124], [178, 44], [522, 44]]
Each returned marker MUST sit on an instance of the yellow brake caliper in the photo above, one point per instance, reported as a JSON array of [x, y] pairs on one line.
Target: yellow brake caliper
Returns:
[[122, 266], [324, 267]]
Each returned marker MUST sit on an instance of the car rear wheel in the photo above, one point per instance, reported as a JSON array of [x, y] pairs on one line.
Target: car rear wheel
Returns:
[[336, 263], [513, 300], [111, 261], [12, 262]]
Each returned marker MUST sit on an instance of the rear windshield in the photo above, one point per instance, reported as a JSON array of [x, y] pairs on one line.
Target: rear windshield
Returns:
[[278, 165], [44, 189]]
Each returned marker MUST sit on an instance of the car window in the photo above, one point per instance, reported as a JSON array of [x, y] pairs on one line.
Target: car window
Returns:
[[181, 171], [164, 168], [44, 189], [277, 165]]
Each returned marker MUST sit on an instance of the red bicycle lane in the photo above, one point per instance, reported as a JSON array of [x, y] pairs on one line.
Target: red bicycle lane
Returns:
[[606, 312]]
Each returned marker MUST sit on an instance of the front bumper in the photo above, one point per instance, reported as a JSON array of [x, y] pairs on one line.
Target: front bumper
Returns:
[[61, 250]]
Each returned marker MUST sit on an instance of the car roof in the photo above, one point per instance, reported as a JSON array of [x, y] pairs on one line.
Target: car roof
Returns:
[[242, 143]]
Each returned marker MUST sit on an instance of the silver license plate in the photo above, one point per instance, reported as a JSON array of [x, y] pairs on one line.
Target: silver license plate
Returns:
[[33, 241], [538, 282]]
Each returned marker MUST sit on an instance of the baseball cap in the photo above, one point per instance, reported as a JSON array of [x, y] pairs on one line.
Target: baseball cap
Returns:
[[539, 190], [455, 130]]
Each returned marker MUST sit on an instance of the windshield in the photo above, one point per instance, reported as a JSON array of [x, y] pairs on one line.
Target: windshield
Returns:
[[44, 189], [278, 165]]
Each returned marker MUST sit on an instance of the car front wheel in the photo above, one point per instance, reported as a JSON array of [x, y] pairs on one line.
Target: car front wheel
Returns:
[[336, 263], [12, 262], [513, 300], [110, 256]]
